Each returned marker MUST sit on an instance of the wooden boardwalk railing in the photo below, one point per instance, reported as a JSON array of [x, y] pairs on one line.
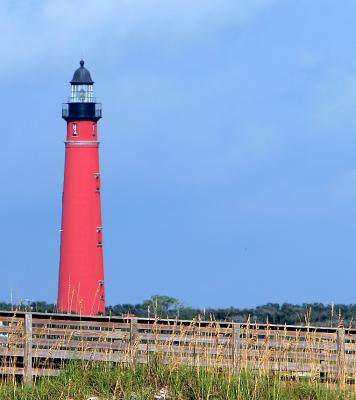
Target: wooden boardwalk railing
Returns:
[[38, 344]]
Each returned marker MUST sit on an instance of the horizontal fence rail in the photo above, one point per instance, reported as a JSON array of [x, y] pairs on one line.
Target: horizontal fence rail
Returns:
[[39, 344]]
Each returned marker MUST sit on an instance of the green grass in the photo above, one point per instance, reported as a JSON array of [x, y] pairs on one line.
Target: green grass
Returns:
[[141, 382]]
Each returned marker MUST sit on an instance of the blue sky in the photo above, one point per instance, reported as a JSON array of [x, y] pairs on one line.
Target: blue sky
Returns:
[[228, 146]]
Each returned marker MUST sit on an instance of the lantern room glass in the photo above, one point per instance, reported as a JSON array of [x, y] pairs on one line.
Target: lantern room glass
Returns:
[[82, 94]]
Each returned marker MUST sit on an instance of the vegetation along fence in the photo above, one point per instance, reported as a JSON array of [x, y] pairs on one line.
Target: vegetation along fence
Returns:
[[39, 344]]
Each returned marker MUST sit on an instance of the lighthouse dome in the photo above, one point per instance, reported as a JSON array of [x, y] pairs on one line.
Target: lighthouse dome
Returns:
[[81, 76]]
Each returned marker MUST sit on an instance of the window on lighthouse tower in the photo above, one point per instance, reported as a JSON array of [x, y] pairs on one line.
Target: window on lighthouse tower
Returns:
[[82, 94]]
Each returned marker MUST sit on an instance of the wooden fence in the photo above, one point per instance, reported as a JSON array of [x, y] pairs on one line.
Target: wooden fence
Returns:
[[39, 344]]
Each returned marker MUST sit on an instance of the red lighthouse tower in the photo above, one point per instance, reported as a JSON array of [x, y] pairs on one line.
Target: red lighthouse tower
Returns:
[[81, 274]]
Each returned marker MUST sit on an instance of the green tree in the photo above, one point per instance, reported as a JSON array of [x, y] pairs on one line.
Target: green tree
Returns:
[[162, 305]]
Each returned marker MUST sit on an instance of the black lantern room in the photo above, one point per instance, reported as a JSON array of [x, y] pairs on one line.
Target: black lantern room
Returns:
[[81, 104]]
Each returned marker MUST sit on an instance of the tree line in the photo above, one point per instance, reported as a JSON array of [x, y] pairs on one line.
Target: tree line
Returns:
[[169, 307]]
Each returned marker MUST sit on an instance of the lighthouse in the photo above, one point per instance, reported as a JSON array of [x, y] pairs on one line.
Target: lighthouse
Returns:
[[81, 270]]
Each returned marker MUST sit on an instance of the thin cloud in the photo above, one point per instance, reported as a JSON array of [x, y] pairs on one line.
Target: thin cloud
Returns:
[[38, 32]]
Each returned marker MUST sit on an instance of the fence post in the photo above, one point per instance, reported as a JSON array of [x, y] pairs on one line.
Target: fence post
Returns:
[[133, 331], [27, 357], [236, 343], [194, 355], [133, 338], [340, 349]]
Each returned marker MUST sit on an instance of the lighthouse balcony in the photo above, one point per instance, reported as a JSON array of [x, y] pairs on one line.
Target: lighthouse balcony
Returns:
[[81, 111]]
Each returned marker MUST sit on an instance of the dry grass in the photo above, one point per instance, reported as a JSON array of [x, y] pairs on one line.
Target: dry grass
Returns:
[[163, 382]]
